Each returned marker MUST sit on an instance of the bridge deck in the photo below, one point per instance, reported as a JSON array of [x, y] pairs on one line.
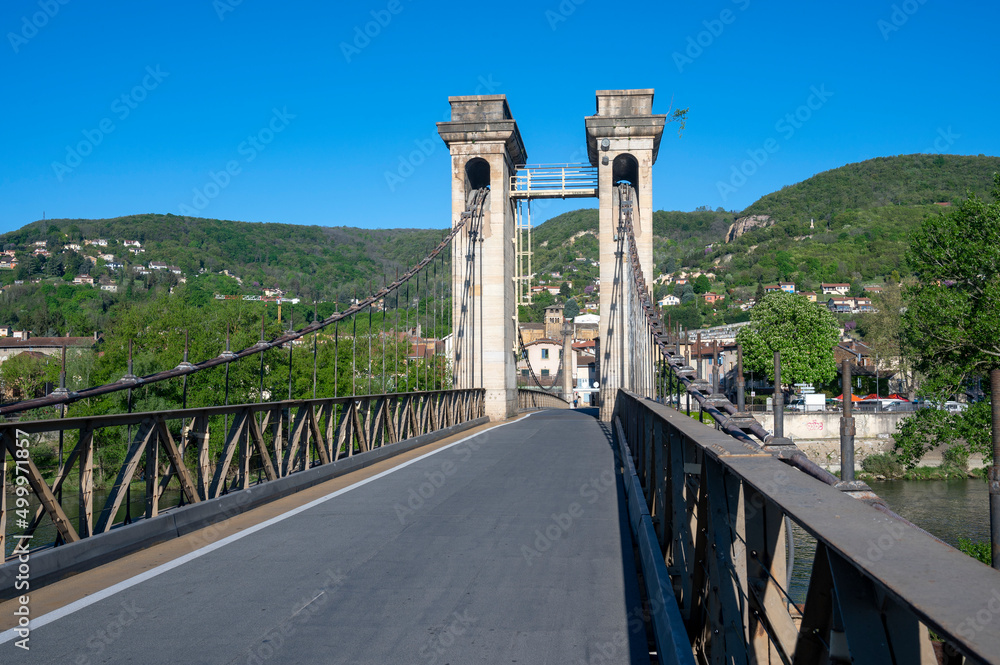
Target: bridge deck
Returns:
[[509, 546]]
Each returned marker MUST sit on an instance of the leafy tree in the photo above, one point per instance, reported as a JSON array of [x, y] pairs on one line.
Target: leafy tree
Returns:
[[702, 284], [687, 294], [760, 292], [803, 332], [565, 291], [883, 331], [23, 376], [952, 320], [572, 309]]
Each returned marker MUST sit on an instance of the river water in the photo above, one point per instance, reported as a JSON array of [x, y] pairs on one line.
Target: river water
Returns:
[[949, 509]]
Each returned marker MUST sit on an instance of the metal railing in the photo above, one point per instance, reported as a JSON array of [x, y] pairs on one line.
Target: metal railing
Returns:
[[258, 443], [721, 510], [538, 399], [554, 181]]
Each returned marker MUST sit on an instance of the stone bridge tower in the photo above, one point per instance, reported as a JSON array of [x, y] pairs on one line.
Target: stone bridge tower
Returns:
[[485, 147], [623, 139]]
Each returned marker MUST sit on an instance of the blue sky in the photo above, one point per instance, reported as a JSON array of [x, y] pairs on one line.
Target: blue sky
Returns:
[[117, 107]]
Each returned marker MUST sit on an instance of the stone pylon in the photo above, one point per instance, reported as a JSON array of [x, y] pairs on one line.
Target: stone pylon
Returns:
[[485, 147], [623, 140]]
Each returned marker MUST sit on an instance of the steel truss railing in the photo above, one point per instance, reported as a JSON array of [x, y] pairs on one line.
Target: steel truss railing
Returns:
[[264, 442], [538, 399], [720, 508]]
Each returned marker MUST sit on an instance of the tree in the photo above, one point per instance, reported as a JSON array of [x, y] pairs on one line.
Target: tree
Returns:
[[686, 294], [565, 291], [760, 292], [23, 376], [883, 330], [803, 332], [572, 309], [702, 284], [952, 319]]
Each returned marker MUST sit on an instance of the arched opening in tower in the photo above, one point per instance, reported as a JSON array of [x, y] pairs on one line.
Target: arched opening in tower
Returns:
[[477, 174]]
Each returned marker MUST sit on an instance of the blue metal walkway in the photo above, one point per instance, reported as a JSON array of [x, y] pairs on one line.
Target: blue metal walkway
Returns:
[[509, 546]]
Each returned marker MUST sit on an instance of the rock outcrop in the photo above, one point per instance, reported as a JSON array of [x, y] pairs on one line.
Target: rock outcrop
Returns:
[[749, 223]]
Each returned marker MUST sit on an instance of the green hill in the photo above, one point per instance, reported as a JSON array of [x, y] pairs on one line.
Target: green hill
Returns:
[[326, 263], [861, 215]]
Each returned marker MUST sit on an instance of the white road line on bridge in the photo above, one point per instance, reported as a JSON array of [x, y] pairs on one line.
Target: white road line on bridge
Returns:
[[78, 605]]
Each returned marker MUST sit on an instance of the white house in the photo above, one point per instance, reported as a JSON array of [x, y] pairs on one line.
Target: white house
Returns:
[[835, 289], [83, 279], [669, 301]]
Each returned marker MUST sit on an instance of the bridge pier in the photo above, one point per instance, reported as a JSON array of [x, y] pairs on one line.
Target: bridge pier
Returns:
[[623, 139], [485, 147]]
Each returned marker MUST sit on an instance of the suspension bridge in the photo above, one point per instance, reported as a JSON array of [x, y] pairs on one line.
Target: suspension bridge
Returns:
[[455, 516]]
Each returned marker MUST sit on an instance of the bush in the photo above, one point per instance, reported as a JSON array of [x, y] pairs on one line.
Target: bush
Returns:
[[979, 551], [956, 457], [886, 465]]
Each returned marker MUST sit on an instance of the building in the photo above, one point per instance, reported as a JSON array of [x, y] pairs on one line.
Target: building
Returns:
[[712, 297], [110, 287], [850, 305], [83, 279], [6, 331], [106, 257], [787, 287], [669, 301], [49, 346], [174, 269], [810, 295], [131, 243], [586, 327], [554, 321], [100, 242], [73, 246], [531, 332], [835, 289], [8, 263], [274, 293], [157, 265], [873, 289], [545, 358]]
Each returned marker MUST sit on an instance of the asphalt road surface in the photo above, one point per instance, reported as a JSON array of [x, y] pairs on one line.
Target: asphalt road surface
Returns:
[[510, 546]]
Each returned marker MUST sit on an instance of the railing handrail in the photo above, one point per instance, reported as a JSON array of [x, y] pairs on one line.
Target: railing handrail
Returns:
[[116, 419], [904, 562]]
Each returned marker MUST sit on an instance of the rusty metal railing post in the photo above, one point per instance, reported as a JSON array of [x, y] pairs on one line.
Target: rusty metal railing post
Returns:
[[847, 426], [994, 471], [779, 399], [741, 400]]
